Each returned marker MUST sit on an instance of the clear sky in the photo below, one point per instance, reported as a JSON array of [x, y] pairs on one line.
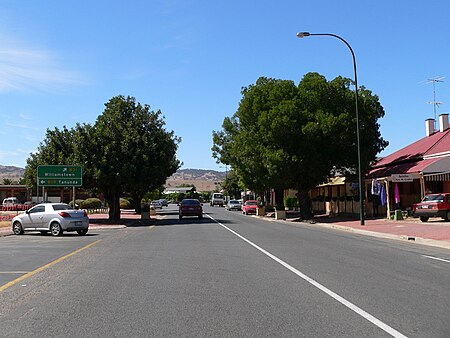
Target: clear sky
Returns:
[[61, 61]]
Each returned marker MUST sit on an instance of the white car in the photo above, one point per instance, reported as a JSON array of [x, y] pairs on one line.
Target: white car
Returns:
[[234, 205], [51, 217], [157, 204]]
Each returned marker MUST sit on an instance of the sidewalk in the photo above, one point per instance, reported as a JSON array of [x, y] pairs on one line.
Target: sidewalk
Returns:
[[435, 232]]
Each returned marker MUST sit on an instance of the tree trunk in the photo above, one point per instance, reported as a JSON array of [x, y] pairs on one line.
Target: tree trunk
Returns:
[[305, 204], [137, 202], [113, 199], [279, 198]]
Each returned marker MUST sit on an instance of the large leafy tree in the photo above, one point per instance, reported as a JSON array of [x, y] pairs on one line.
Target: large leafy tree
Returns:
[[126, 150], [288, 136], [137, 153]]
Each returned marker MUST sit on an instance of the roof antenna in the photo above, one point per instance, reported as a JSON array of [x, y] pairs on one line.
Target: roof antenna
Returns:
[[435, 103]]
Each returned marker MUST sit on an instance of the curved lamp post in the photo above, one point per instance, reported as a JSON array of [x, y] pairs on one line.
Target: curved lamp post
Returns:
[[361, 190]]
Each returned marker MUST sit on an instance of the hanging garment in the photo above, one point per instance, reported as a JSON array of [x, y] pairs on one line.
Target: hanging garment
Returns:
[[376, 187], [396, 193], [383, 196]]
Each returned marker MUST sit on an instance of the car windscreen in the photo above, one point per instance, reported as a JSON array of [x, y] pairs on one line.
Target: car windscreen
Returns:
[[252, 203]]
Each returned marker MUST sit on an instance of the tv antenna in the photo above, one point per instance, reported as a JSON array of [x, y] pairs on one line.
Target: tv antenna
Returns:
[[435, 103]]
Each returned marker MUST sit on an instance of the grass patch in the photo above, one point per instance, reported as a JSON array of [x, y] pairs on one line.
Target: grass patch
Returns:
[[5, 224]]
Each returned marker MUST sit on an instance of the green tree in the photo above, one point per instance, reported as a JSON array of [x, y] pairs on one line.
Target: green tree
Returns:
[[126, 150], [7, 181], [232, 185], [132, 151], [288, 136]]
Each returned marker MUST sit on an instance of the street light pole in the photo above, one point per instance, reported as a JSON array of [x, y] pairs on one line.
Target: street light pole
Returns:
[[358, 141]]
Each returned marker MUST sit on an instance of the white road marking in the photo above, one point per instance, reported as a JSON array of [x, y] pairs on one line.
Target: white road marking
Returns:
[[437, 258], [343, 301]]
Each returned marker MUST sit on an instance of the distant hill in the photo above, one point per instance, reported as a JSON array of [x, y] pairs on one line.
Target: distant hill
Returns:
[[11, 172], [203, 180]]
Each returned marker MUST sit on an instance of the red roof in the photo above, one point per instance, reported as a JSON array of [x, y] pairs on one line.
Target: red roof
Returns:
[[411, 158]]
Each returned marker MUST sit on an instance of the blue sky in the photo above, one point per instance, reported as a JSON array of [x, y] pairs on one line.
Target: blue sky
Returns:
[[61, 61]]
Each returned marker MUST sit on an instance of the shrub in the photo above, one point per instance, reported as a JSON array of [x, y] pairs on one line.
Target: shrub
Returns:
[[78, 202], [269, 208], [124, 204], [291, 202], [280, 207], [91, 203]]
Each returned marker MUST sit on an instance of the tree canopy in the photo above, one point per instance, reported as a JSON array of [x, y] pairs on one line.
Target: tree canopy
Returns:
[[126, 150], [288, 136]]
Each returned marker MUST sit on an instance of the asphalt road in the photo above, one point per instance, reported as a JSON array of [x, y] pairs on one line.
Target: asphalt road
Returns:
[[226, 275]]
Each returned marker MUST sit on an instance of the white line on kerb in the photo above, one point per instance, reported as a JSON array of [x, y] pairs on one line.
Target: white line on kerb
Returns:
[[437, 258], [332, 294]]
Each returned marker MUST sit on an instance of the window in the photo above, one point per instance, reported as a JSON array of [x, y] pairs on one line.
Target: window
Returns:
[[40, 208], [57, 207]]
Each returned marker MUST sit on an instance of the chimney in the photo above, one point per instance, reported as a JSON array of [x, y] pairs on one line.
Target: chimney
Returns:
[[443, 122], [429, 127]]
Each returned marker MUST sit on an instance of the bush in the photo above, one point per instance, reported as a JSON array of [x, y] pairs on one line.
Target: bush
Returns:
[[124, 204], [270, 208], [291, 202], [91, 203], [78, 202]]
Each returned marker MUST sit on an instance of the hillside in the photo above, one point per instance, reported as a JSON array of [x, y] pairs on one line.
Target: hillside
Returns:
[[11, 172], [203, 180]]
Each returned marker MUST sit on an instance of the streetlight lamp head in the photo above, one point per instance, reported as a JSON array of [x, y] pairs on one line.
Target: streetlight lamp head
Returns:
[[303, 34]]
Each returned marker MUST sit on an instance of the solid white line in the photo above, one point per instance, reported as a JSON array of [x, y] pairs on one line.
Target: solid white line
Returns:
[[332, 294], [436, 258]]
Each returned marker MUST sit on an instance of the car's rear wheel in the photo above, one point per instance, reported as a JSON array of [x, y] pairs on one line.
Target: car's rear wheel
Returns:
[[82, 232], [55, 229], [17, 228], [424, 218], [447, 218]]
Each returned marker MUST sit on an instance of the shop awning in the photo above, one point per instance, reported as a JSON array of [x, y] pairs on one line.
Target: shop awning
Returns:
[[439, 170], [412, 167]]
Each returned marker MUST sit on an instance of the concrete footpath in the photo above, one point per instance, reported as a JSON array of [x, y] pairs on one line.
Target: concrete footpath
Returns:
[[435, 232]]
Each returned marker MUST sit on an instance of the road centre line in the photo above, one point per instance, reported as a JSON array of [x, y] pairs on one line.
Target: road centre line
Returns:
[[343, 301], [437, 258], [42, 268]]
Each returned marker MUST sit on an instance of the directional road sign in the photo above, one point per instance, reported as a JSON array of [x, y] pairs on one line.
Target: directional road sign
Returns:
[[60, 175]]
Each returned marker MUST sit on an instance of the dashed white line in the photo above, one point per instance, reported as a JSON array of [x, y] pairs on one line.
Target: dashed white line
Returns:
[[343, 301]]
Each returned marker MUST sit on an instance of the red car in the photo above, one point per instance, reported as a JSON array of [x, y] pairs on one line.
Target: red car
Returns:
[[433, 205], [250, 207], [190, 207]]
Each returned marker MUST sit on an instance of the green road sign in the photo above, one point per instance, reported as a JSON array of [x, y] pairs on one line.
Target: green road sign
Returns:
[[60, 175], [60, 182]]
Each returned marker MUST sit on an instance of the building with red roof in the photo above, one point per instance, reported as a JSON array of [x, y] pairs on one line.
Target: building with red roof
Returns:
[[419, 168]]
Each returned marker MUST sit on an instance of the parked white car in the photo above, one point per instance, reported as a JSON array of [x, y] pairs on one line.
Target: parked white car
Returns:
[[157, 204], [51, 217], [234, 205]]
